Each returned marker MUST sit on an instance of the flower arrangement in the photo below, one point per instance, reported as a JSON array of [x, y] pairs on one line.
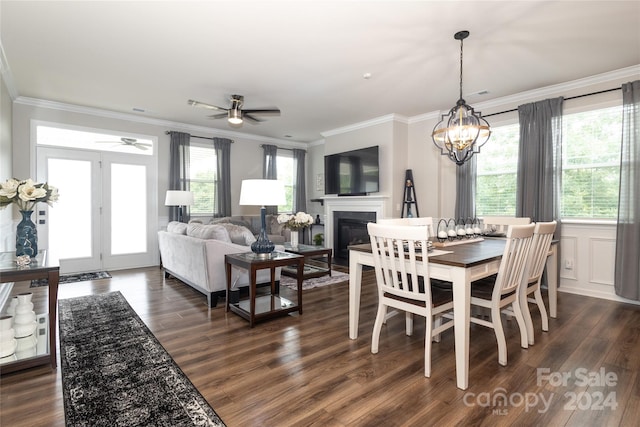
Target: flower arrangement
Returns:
[[26, 194], [295, 222]]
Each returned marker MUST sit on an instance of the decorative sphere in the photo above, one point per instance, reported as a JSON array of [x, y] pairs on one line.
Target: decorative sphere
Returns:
[[442, 234], [477, 230], [461, 232], [452, 233]]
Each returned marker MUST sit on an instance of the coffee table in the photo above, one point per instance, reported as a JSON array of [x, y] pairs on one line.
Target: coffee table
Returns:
[[309, 252]]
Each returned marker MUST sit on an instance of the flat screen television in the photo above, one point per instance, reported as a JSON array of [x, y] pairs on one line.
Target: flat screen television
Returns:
[[352, 173]]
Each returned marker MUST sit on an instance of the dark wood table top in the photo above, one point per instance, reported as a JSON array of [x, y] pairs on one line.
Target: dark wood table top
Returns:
[[464, 255]]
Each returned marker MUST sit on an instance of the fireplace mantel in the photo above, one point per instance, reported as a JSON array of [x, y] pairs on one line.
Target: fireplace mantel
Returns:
[[371, 203]]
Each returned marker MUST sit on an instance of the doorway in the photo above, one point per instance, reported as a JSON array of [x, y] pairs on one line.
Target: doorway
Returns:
[[106, 217]]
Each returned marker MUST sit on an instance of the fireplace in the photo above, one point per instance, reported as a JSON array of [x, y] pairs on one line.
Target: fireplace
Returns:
[[349, 228]]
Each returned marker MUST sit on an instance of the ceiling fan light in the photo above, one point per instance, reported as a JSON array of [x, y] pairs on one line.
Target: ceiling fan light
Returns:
[[234, 117]]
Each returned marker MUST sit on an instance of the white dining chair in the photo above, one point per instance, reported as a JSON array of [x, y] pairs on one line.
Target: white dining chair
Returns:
[[537, 258], [413, 221], [501, 292], [500, 224], [401, 265]]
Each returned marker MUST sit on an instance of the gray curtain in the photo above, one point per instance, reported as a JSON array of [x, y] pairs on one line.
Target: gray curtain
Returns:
[[300, 199], [466, 177], [540, 161], [270, 170], [179, 170], [222, 205], [627, 269]]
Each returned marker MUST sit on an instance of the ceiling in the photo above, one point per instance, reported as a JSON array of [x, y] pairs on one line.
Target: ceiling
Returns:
[[308, 58]]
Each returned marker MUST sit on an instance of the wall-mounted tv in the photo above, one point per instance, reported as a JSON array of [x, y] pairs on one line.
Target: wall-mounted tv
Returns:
[[352, 173]]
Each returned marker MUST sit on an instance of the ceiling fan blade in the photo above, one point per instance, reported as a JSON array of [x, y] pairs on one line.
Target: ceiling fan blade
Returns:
[[250, 118], [218, 116], [264, 111], [202, 104], [140, 146]]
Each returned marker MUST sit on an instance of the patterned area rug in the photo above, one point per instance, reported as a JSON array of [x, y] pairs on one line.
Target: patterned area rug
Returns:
[[336, 277], [116, 373], [70, 278]]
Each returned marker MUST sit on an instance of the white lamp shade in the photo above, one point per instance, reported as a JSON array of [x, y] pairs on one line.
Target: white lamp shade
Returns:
[[262, 192], [178, 198]]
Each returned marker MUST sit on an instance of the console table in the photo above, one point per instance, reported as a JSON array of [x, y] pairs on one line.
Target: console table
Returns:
[[41, 267], [265, 306]]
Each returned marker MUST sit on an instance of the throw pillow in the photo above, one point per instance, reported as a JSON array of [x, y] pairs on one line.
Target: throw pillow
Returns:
[[239, 234], [177, 227], [201, 231]]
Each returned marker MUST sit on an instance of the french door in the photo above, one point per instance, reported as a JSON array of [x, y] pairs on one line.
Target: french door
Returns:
[[106, 216]]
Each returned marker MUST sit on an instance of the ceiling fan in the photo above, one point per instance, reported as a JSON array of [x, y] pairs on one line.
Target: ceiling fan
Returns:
[[235, 114], [128, 141]]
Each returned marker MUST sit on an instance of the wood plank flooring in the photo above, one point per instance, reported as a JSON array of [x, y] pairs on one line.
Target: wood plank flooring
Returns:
[[304, 370]]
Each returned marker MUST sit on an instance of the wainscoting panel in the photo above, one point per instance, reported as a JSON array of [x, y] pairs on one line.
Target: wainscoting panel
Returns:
[[602, 253]]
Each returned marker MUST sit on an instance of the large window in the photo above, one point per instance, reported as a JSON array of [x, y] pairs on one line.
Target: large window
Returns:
[[590, 167], [286, 174], [497, 170], [202, 179], [591, 163]]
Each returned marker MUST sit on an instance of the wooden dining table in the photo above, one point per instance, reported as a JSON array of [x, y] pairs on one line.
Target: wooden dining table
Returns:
[[464, 264]]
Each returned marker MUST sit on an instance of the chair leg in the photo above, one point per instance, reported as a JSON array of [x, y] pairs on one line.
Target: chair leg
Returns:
[[437, 324], [427, 345], [496, 321], [543, 310], [517, 311], [377, 327], [526, 313], [408, 323]]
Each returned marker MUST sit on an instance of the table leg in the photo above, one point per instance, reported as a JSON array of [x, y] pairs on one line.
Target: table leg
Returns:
[[299, 278], [252, 296], [461, 318], [355, 285], [53, 278], [228, 297], [552, 280]]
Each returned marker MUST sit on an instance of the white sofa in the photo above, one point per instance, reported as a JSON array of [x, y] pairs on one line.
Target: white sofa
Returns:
[[194, 253]]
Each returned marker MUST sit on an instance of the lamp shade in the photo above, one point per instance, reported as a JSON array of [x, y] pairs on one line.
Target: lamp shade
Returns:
[[178, 198], [262, 192]]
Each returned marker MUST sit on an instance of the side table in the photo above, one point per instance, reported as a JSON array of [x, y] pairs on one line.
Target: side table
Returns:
[[263, 307], [309, 252], [41, 267]]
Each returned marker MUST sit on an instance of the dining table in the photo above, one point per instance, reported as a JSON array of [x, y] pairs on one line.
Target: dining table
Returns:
[[459, 264]]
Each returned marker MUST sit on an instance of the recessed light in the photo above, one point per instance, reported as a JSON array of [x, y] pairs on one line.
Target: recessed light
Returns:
[[366, 76]]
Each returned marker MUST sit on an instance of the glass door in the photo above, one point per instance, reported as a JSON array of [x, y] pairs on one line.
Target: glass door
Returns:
[[70, 230]]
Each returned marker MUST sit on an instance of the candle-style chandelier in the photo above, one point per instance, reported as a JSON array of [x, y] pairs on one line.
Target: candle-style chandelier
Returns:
[[461, 133]]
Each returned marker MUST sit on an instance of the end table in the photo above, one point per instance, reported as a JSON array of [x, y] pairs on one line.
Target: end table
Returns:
[[263, 307]]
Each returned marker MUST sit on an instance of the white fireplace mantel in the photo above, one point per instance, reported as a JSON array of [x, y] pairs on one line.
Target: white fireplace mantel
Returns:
[[372, 203]]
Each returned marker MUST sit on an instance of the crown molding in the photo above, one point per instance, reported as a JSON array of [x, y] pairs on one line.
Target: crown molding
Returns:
[[361, 125], [632, 72], [171, 125]]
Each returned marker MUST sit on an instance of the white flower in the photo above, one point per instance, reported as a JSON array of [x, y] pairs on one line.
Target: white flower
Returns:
[[29, 192], [10, 188], [295, 222]]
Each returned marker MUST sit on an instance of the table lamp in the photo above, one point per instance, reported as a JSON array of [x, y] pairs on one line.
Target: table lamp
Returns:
[[178, 198], [262, 192]]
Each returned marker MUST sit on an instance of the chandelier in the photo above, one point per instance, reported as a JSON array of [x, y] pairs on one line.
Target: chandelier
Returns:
[[461, 133]]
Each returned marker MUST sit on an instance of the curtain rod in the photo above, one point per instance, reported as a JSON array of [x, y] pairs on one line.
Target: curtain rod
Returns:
[[196, 136], [284, 148], [566, 99]]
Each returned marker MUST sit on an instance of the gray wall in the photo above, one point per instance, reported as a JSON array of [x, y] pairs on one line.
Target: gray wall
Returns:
[[7, 229]]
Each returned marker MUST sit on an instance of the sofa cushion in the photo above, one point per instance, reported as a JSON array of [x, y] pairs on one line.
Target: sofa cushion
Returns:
[[202, 231], [177, 227], [239, 234]]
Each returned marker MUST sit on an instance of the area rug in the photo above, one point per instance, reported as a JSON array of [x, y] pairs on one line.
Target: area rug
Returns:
[[316, 282], [71, 278], [116, 373]]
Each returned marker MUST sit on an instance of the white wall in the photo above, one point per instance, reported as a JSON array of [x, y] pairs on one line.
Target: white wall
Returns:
[[7, 226]]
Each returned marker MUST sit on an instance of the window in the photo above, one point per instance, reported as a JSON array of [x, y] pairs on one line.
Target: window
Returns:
[[286, 174], [202, 179], [497, 173], [590, 167], [591, 163]]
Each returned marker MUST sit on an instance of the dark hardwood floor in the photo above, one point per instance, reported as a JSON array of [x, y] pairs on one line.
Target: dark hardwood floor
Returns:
[[304, 370]]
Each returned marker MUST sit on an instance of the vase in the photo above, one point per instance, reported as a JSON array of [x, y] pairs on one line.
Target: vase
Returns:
[[294, 238], [7, 341], [24, 320], [26, 236]]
